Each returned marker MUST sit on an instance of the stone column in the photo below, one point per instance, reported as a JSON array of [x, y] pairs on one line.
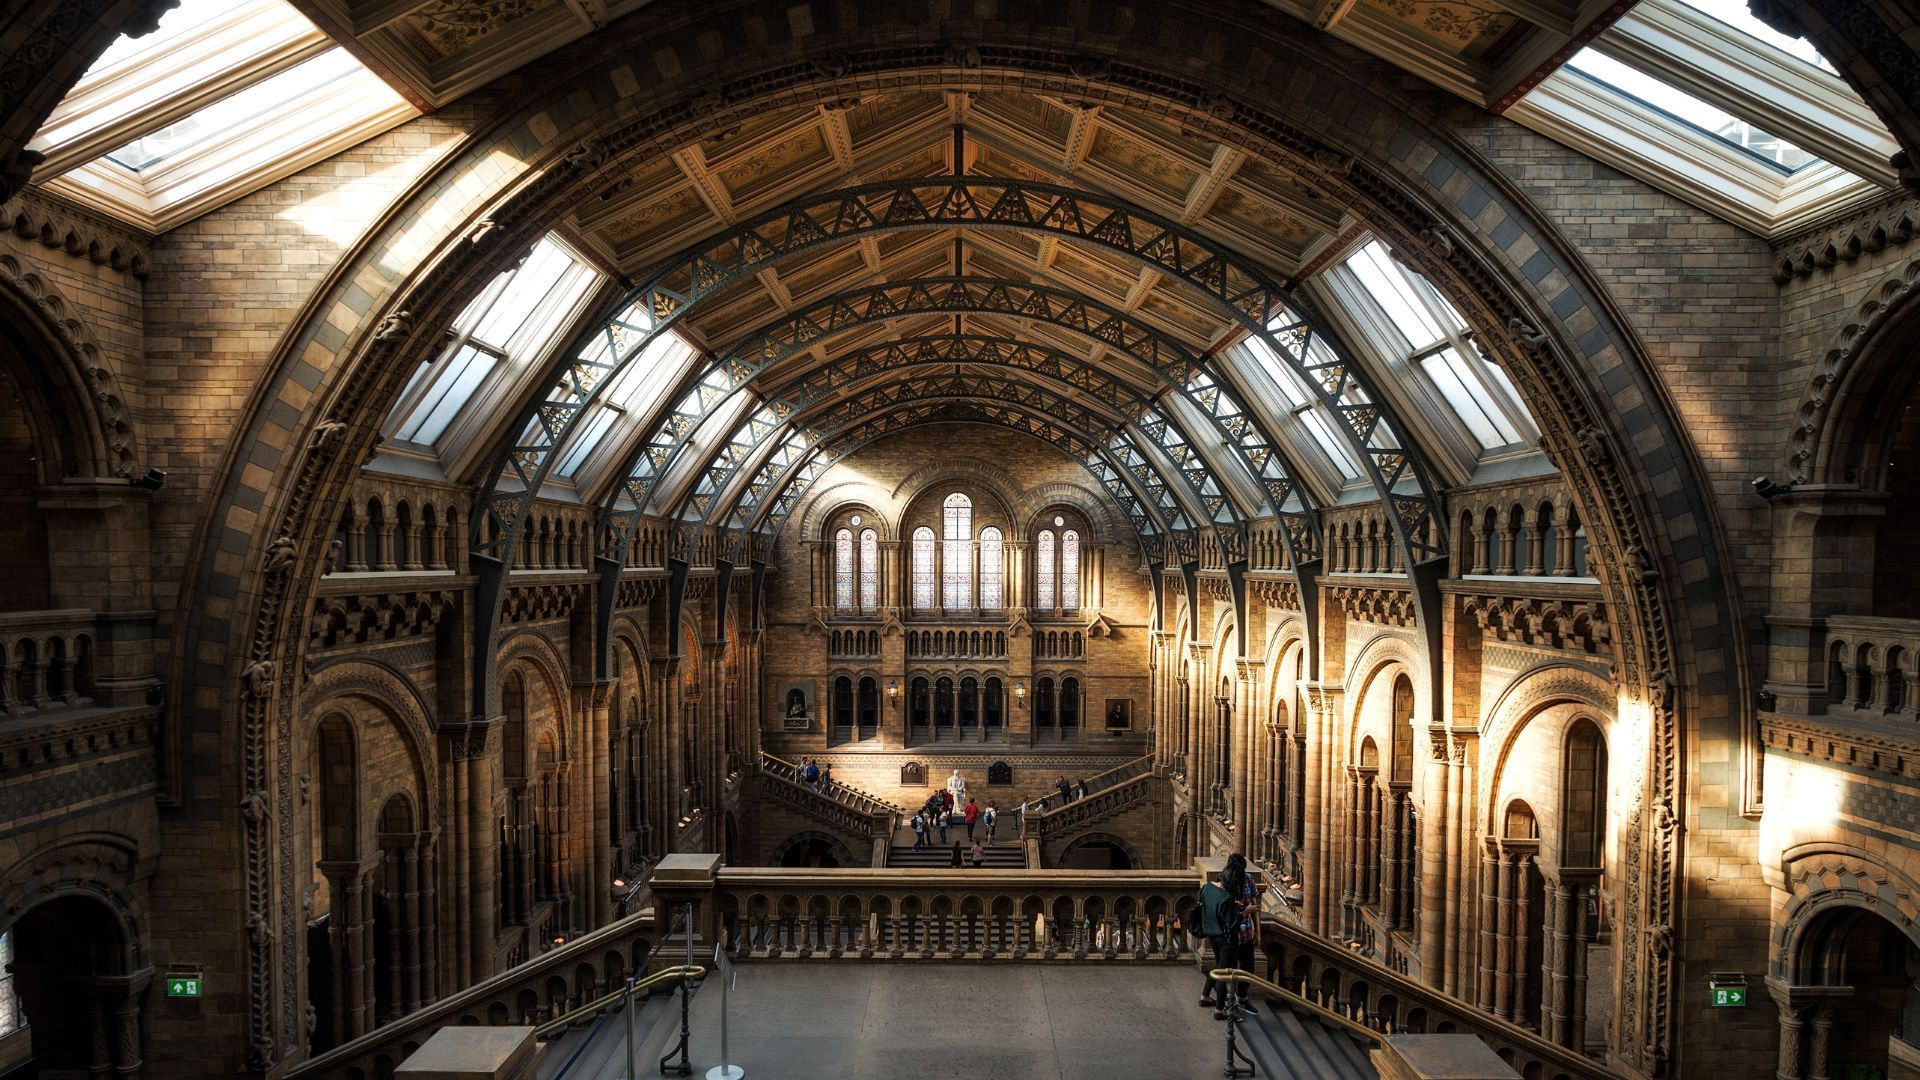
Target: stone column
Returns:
[[1489, 908], [1817, 1045], [1792, 1019], [599, 866], [479, 882]]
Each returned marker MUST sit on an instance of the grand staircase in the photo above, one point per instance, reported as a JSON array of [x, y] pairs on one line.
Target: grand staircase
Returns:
[[1005, 855], [1297, 1045]]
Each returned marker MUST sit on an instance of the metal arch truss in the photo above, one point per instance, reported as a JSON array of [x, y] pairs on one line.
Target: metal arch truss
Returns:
[[803, 329], [789, 484], [708, 497], [677, 286], [1115, 443]]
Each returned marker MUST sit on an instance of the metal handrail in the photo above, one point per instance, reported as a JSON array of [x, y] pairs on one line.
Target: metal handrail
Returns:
[[560, 1023], [1294, 998]]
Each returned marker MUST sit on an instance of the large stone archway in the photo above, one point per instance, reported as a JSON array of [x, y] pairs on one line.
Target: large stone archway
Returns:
[[1330, 118]]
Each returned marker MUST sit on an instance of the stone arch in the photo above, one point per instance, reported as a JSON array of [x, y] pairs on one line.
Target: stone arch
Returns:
[[871, 517], [823, 503], [1823, 876], [1103, 524], [1112, 840], [1402, 193], [76, 410], [814, 841], [98, 866], [1852, 405], [1382, 654], [398, 700]]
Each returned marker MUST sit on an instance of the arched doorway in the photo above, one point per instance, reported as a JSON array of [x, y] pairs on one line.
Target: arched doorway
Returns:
[[1854, 995], [79, 1002], [1098, 852], [812, 850]]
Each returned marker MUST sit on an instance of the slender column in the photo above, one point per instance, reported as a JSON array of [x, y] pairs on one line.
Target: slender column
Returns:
[[414, 867], [356, 539], [1817, 1045], [126, 1028], [1503, 962], [1389, 873], [395, 945], [1559, 954], [479, 884], [1489, 905], [1577, 1007], [1522, 933], [1792, 1018]]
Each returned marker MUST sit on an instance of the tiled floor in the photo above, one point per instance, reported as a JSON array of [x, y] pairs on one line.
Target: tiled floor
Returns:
[[958, 1022]]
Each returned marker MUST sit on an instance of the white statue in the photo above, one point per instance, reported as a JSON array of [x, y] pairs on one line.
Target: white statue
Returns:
[[957, 787]]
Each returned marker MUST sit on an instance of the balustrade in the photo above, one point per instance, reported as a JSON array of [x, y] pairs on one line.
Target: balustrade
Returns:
[[55, 660], [1870, 665], [772, 913]]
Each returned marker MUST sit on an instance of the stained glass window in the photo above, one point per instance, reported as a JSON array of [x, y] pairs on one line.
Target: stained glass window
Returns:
[[1043, 570], [1070, 571], [956, 576], [992, 569], [843, 570], [923, 569], [869, 569]]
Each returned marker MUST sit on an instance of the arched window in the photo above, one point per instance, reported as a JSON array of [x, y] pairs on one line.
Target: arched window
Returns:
[[943, 703], [843, 570], [923, 569], [969, 702], [1069, 702], [1043, 570], [990, 704], [869, 702], [993, 576], [843, 702], [1043, 703], [920, 703], [1070, 570], [869, 569], [956, 577]]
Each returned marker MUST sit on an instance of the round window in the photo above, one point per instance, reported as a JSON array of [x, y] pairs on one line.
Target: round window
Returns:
[[1057, 520], [856, 519]]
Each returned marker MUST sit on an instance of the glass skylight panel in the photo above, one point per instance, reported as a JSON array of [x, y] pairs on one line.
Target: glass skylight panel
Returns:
[[1332, 443], [1734, 13], [1680, 105], [546, 270], [236, 111], [1464, 393], [176, 25], [585, 440], [1277, 369], [457, 381], [1390, 289]]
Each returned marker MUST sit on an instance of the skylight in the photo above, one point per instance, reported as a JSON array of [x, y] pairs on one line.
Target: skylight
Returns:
[[313, 79], [512, 322], [1735, 14], [189, 18], [1685, 107]]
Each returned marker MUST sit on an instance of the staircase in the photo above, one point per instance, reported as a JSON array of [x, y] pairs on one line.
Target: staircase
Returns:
[[1296, 1045], [1006, 855]]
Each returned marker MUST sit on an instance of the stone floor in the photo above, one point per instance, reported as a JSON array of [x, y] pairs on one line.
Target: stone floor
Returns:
[[959, 1022]]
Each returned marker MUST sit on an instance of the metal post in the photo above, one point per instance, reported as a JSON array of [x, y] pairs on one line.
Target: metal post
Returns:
[[1232, 1069], [725, 1070], [629, 1010], [683, 1067]]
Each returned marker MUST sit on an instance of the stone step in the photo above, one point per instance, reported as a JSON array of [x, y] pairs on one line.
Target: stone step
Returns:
[[999, 857], [1290, 1045]]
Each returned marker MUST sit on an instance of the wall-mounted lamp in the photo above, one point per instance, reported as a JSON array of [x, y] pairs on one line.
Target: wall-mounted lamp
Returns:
[[1020, 693], [893, 692]]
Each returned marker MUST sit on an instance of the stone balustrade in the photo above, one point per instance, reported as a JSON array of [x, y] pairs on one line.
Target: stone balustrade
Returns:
[[1045, 816], [877, 914], [72, 658], [1871, 666]]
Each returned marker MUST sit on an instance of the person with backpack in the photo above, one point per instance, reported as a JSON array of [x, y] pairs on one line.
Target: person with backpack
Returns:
[[990, 817], [972, 814], [1242, 924], [1215, 913], [919, 831]]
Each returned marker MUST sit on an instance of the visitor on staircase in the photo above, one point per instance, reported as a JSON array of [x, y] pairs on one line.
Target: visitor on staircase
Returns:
[[957, 863], [972, 814], [979, 855], [919, 830], [991, 817]]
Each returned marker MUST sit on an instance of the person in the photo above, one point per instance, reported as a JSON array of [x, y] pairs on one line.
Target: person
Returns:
[[942, 816], [1214, 910], [919, 831], [972, 814], [956, 854], [1079, 790], [1244, 926], [826, 776], [979, 855], [810, 773], [1066, 791], [946, 801], [990, 817]]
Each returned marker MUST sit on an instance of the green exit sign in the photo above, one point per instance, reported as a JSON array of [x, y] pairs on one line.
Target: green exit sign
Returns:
[[183, 986], [1729, 997]]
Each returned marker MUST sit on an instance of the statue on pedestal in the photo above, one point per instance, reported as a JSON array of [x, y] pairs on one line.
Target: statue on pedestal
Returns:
[[957, 787]]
